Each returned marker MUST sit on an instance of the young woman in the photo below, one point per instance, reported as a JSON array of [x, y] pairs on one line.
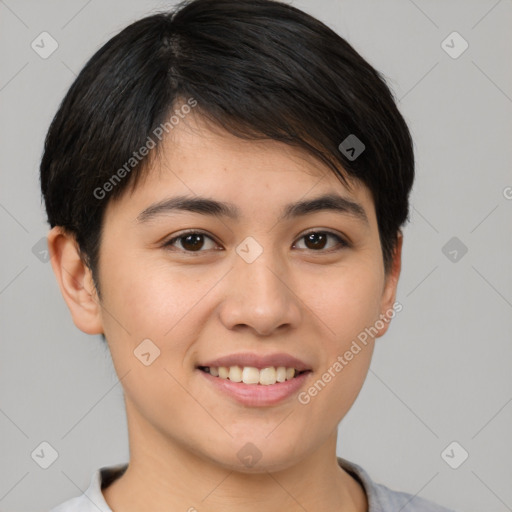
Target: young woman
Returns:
[[226, 185]]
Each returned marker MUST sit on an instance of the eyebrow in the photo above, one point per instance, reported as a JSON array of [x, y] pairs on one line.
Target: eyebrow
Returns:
[[206, 206]]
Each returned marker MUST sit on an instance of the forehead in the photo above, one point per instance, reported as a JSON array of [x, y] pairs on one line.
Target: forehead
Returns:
[[197, 146], [201, 159]]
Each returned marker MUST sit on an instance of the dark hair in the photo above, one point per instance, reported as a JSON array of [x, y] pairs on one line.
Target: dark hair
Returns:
[[259, 69]]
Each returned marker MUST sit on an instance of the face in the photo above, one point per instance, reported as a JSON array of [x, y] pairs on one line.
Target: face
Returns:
[[259, 284]]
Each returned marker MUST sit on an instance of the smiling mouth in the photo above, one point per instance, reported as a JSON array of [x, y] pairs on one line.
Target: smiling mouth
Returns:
[[251, 375]]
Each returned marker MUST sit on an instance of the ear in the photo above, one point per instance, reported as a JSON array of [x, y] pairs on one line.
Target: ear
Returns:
[[389, 293], [75, 281]]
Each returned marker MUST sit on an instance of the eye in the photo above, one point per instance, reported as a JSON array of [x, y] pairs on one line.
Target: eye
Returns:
[[317, 240], [191, 241], [196, 241]]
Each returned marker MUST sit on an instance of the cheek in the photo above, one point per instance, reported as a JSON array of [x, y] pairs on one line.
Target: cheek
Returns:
[[349, 307], [346, 301], [152, 298], [153, 302]]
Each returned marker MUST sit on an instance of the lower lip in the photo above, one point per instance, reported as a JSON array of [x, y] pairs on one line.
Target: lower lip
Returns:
[[258, 395]]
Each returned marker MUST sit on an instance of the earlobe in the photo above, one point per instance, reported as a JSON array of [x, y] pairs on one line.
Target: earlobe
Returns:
[[390, 286], [75, 281]]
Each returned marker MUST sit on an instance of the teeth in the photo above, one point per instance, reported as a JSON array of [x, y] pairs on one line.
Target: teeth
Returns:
[[251, 375], [235, 373], [281, 374], [268, 376]]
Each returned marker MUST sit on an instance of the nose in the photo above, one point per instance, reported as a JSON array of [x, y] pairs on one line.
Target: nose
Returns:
[[259, 296]]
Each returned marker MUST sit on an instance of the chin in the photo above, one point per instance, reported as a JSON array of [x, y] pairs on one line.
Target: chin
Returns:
[[256, 455]]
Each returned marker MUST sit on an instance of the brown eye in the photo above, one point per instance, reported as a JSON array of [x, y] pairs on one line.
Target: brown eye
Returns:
[[190, 242], [317, 240]]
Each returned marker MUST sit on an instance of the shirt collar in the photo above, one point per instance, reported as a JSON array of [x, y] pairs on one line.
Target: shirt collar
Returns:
[[104, 476]]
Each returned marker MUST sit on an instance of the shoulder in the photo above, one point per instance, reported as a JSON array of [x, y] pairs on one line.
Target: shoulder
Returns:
[[92, 500], [390, 500], [384, 499], [78, 504]]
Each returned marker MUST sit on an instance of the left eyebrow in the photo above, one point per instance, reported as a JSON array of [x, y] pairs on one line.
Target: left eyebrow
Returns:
[[206, 206]]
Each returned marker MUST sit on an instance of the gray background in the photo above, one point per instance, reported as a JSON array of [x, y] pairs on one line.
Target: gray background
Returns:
[[441, 374]]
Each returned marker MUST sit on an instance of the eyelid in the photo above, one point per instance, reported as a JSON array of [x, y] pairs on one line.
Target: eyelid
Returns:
[[342, 241], [182, 234]]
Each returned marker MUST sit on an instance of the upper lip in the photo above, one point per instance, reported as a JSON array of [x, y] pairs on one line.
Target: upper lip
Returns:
[[259, 361]]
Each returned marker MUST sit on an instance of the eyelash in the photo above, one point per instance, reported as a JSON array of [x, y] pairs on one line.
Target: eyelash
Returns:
[[342, 244]]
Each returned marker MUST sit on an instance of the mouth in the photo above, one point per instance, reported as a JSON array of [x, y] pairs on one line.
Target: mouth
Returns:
[[256, 380], [254, 376]]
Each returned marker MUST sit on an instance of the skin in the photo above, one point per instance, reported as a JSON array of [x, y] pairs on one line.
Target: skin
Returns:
[[312, 303]]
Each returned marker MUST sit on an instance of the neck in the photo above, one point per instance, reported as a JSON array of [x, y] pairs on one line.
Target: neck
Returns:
[[165, 475]]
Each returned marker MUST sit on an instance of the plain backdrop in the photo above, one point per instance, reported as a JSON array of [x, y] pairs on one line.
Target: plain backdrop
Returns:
[[442, 373]]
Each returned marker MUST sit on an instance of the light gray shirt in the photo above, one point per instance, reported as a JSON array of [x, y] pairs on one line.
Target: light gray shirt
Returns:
[[380, 498]]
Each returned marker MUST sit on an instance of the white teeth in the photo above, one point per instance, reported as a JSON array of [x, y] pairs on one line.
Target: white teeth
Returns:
[[251, 375], [268, 376], [281, 374], [235, 373]]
